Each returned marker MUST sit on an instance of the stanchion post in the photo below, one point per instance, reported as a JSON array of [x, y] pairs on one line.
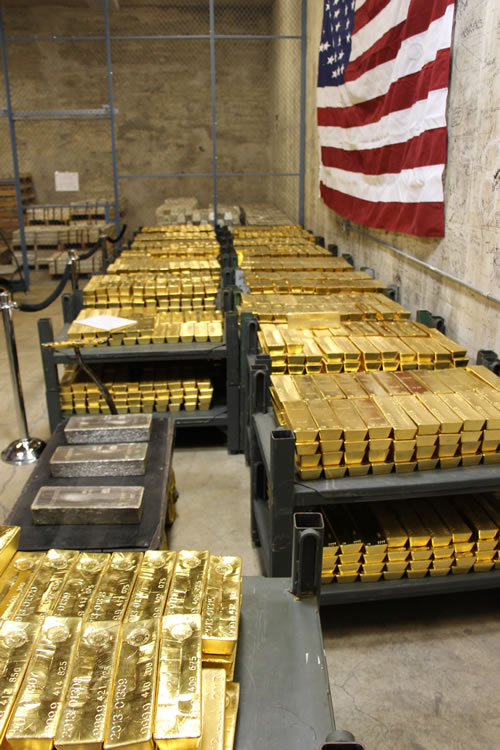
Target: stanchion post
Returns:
[[73, 259], [24, 450]]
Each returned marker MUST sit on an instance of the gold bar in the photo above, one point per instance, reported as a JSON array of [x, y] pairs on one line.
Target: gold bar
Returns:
[[83, 722], [221, 606], [16, 645], [328, 387], [344, 529], [354, 428], [9, 542], [460, 531], [130, 723], [43, 592], [113, 593], [477, 517], [426, 423], [178, 707], [396, 536], [351, 388], [449, 421], [151, 586], [403, 427], [441, 535], [187, 589], [222, 661], [80, 586], [213, 702], [484, 407], [300, 420], [38, 708], [16, 580], [326, 420], [418, 534], [377, 424], [231, 714]]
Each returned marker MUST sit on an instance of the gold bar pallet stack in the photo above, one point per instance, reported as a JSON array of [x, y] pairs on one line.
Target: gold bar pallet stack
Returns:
[[157, 305], [366, 405], [121, 650]]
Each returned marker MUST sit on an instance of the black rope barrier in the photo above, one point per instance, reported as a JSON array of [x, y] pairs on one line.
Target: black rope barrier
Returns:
[[37, 306]]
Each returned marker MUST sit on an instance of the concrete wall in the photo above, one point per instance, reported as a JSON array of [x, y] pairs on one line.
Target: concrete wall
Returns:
[[470, 248], [162, 91]]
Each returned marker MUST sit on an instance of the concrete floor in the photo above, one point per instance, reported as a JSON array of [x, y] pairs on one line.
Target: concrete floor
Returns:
[[419, 674]]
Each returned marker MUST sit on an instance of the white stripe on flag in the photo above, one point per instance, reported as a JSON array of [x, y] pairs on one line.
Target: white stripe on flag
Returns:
[[396, 127], [413, 54], [419, 185], [359, 3], [392, 15]]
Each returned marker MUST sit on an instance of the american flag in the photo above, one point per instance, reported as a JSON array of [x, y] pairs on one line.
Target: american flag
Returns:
[[382, 91]]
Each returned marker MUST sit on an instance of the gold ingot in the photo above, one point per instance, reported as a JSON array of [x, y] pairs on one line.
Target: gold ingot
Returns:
[[450, 462], [449, 421], [443, 553], [80, 586], [300, 420], [395, 535], [331, 446], [44, 589], [309, 473], [483, 567], [382, 468], [115, 587], [306, 449], [329, 427], [9, 542], [188, 583], [178, 707], [332, 459], [221, 606], [152, 584], [16, 580], [213, 702], [393, 575], [309, 461], [346, 577], [221, 661], [358, 470], [491, 458], [334, 472], [416, 573], [402, 425], [426, 422], [16, 645], [354, 451], [130, 723], [403, 450], [405, 467], [422, 553], [38, 707], [378, 450], [377, 424], [231, 714], [419, 565], [88, 698]]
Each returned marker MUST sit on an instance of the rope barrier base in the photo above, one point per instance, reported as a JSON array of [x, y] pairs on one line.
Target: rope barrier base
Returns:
[[23, 451]]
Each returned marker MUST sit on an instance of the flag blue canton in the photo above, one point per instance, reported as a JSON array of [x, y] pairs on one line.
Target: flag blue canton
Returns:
[[336, 41]]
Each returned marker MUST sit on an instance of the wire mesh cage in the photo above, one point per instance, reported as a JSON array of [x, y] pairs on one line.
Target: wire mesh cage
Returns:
[[149, 99]]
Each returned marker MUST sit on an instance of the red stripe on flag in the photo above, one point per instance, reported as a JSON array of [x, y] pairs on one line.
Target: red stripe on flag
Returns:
[[401, 95], [367, 12], [422, 151], [419, 219], [420, 16]]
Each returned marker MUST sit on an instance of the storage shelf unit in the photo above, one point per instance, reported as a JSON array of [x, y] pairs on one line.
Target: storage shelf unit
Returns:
[[276, 494], [225, 414]]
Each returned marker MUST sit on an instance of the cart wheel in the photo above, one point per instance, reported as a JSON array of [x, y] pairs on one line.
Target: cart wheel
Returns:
[[342, 740], [340, 735]]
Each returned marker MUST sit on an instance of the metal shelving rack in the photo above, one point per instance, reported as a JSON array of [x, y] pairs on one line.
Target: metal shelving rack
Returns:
[[276, 494], [108, 112], [224, 414]]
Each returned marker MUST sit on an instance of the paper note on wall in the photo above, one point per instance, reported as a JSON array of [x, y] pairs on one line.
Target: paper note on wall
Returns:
[[67, 181]]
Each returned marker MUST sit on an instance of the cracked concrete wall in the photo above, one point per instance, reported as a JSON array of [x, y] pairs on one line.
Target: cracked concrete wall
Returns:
[[162, 91], [470, 248]]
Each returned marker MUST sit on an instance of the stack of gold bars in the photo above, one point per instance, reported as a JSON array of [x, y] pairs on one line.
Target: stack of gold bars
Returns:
[[383, 422], [149, 328], [134, 389], [121, 650], [306, 280], [155, 293], [306, 311], [414, 538], [358, 345]]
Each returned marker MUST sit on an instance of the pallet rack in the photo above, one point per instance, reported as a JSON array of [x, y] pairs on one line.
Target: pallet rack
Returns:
[[223, 413]]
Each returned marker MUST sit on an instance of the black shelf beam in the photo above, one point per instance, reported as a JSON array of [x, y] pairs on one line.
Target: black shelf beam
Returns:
[[462, 480], [348, 593]]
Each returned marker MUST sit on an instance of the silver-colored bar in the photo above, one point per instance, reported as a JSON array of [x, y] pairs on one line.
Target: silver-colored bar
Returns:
[[87, 505], [108, 428], [122, 459]]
